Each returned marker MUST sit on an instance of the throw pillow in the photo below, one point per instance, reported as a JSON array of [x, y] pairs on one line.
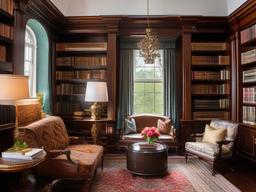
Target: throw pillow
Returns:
[[130, 126], [212, 135], [164, 126]]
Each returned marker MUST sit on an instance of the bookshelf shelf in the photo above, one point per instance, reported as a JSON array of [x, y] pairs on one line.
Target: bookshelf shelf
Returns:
[[210, 95], [212, 67], [5, 40], [249, 104], [79, 81], [82, 68], [79, 53], [6, 17], [209, 109], [251, 42], [199, 81]]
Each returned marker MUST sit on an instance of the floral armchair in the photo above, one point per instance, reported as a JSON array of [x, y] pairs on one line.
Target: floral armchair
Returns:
[[215, 144]]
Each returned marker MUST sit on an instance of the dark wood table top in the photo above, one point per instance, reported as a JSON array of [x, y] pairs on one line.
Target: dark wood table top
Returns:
[[144, 147]]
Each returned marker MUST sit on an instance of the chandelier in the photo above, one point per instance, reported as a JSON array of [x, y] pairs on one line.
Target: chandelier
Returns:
[[149, 45]]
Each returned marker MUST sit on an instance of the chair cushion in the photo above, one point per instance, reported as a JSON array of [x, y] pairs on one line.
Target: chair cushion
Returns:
[[60, 167], [97, 150], [208, 149], [213, 135], [164, 126], [130, 126]]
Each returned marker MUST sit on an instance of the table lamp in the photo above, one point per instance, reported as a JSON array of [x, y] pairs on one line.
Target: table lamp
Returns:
[[14, 91], [96, 92]]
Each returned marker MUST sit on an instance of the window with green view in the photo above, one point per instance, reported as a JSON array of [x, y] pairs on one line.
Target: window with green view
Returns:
[[148, 85]]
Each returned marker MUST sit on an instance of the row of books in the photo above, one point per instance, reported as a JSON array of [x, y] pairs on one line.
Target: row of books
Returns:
[[211, 75], [249, 75], [6, 31], [68, 89], [209, 115], [210, 103], [94, 46], [210, 60], [248, 57], [7, 5], [2, 53], [82, 61], [209, 46], [22, 154], [92, 74], [211, 89], [249, 94], [248, 34], [249, 114]]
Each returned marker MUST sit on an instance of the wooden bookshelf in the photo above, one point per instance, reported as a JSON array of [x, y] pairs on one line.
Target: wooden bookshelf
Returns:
[[210, 77], [6, 36], [77, 63], [248, 74]]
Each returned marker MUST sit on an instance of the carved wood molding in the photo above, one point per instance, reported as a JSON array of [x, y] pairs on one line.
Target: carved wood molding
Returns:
[[243, 16]]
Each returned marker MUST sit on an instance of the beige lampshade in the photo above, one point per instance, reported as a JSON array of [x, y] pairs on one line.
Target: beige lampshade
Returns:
[[96, 92], [13, 88]]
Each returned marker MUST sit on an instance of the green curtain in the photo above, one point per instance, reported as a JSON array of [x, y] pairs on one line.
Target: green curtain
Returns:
[[170, 96], [125, 102]]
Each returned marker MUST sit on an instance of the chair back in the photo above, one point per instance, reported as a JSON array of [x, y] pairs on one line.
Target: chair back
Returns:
[[49, 132], [232, 129], [146, 120]]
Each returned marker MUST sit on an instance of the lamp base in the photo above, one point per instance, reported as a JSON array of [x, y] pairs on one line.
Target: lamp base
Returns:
[[96, 110]]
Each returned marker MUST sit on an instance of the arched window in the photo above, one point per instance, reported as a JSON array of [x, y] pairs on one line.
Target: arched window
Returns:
[[30, 59]]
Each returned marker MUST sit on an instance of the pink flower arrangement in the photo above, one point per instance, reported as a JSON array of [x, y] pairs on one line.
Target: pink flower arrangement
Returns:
[[150, 134]]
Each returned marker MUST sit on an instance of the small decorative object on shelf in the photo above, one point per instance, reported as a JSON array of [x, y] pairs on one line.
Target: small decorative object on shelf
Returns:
[[150, 134]]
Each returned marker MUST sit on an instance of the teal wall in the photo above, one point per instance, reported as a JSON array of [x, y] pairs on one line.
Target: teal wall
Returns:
[[42, 59]]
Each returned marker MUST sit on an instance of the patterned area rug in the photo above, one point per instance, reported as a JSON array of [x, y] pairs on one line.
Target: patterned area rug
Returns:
[[195, 176]]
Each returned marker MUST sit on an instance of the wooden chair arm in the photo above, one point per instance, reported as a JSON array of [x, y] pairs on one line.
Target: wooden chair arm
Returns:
[[194, 135], [73, 140], [220, 143], [224, 142], [56, 152]]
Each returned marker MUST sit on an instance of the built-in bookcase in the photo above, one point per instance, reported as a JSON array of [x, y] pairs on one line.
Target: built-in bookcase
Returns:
[[6, 36], [76, 64], [248, 74], [210, 62]]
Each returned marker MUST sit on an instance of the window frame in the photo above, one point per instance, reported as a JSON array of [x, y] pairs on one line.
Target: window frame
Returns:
[[33, 45], [148, 80]]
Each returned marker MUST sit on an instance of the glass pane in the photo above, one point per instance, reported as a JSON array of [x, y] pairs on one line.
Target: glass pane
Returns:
[[139, 98], [138, 87], [159, 87], [150, 87]]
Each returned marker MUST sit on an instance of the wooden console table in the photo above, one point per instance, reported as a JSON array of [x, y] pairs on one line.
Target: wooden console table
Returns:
[[95, 125]]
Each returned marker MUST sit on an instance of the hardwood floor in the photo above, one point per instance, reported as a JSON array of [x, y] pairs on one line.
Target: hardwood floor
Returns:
[[242, 174]]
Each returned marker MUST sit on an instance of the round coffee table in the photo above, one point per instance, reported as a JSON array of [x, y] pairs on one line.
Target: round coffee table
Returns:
[[146, 160]]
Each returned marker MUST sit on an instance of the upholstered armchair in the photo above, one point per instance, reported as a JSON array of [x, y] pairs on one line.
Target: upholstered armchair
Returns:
[[134, 124], [67, 157], [215, 144]]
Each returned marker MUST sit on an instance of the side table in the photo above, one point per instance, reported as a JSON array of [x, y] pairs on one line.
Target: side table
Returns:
[[17, 165]]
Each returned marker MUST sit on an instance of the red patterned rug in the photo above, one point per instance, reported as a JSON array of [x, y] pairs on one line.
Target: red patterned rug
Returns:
[[181, 177]]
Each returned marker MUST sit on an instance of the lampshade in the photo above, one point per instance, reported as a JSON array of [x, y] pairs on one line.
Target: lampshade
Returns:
[[96, 92], [13, 87]]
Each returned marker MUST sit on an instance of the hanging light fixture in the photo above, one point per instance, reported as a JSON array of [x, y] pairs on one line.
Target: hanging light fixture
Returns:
[[149, 45]]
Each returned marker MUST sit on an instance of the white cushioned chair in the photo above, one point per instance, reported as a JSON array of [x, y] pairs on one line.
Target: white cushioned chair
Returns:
[[213, 152]]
